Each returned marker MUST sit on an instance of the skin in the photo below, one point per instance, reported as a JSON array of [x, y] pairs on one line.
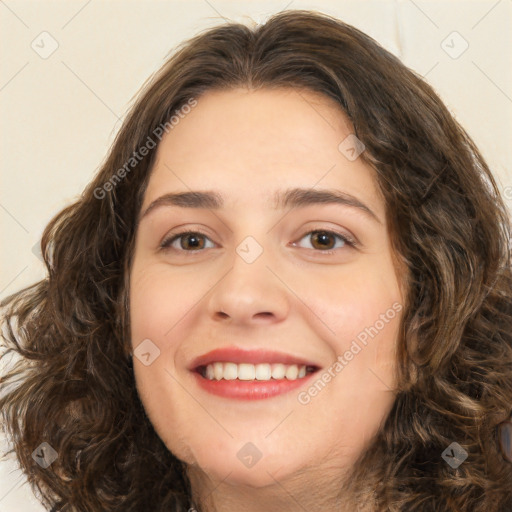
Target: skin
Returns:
[[293, 298]]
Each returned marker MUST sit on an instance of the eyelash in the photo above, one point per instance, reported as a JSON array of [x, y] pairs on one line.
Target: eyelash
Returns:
[[166, 243]]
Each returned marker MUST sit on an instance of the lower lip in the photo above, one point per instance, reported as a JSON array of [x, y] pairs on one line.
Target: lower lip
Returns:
[[249, 389]]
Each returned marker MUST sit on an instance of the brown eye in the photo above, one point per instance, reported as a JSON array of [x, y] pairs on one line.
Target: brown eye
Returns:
[[192, 241], [325, 241], [189, 241], [322, 239]]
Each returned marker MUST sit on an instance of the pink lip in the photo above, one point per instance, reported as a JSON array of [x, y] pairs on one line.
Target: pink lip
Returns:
[[237, 355], [248, 390]]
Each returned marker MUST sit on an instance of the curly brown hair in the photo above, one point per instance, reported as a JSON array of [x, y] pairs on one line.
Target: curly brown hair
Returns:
[[73, 383]]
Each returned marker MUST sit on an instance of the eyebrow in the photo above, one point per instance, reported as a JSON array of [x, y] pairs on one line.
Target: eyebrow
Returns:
[[290, 198]]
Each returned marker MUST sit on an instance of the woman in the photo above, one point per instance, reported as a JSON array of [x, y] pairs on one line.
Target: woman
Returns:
[[288, 287]]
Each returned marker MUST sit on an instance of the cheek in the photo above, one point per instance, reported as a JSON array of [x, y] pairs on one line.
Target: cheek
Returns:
[[161, 310], [362, 313], [167, 408], [158, 301], [352, 301]]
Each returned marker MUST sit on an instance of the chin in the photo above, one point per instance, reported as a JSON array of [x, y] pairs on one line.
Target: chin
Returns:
[[232, 464], [259, 476]]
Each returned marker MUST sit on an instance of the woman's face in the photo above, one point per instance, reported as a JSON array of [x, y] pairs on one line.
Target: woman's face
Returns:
[[258, 286]]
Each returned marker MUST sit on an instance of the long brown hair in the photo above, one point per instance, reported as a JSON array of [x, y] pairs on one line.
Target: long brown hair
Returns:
[[73, 385]]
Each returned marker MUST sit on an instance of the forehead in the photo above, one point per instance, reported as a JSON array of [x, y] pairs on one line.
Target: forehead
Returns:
[[252, 143]]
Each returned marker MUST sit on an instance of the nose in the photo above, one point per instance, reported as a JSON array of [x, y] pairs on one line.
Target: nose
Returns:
[[249, 293]]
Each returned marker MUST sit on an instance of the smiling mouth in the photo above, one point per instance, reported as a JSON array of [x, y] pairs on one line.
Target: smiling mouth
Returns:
[[226, 371], [241, 374]]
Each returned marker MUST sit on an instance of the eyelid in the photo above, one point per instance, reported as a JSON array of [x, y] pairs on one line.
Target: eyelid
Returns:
[[347, 239], [349, 242], [168, 240]]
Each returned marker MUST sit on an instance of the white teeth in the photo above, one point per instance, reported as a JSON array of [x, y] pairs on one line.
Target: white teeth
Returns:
[[292, 372], [278, 371], [246, 371], [230, 371], [218, 370], [261, 371]]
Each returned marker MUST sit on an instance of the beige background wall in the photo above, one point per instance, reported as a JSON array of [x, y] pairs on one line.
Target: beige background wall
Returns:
[[60, 111]]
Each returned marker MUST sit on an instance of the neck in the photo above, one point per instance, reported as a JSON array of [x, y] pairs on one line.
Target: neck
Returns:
[[312, 491]]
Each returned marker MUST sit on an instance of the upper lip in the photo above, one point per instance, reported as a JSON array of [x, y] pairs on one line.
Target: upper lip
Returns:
[[238, 355]]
